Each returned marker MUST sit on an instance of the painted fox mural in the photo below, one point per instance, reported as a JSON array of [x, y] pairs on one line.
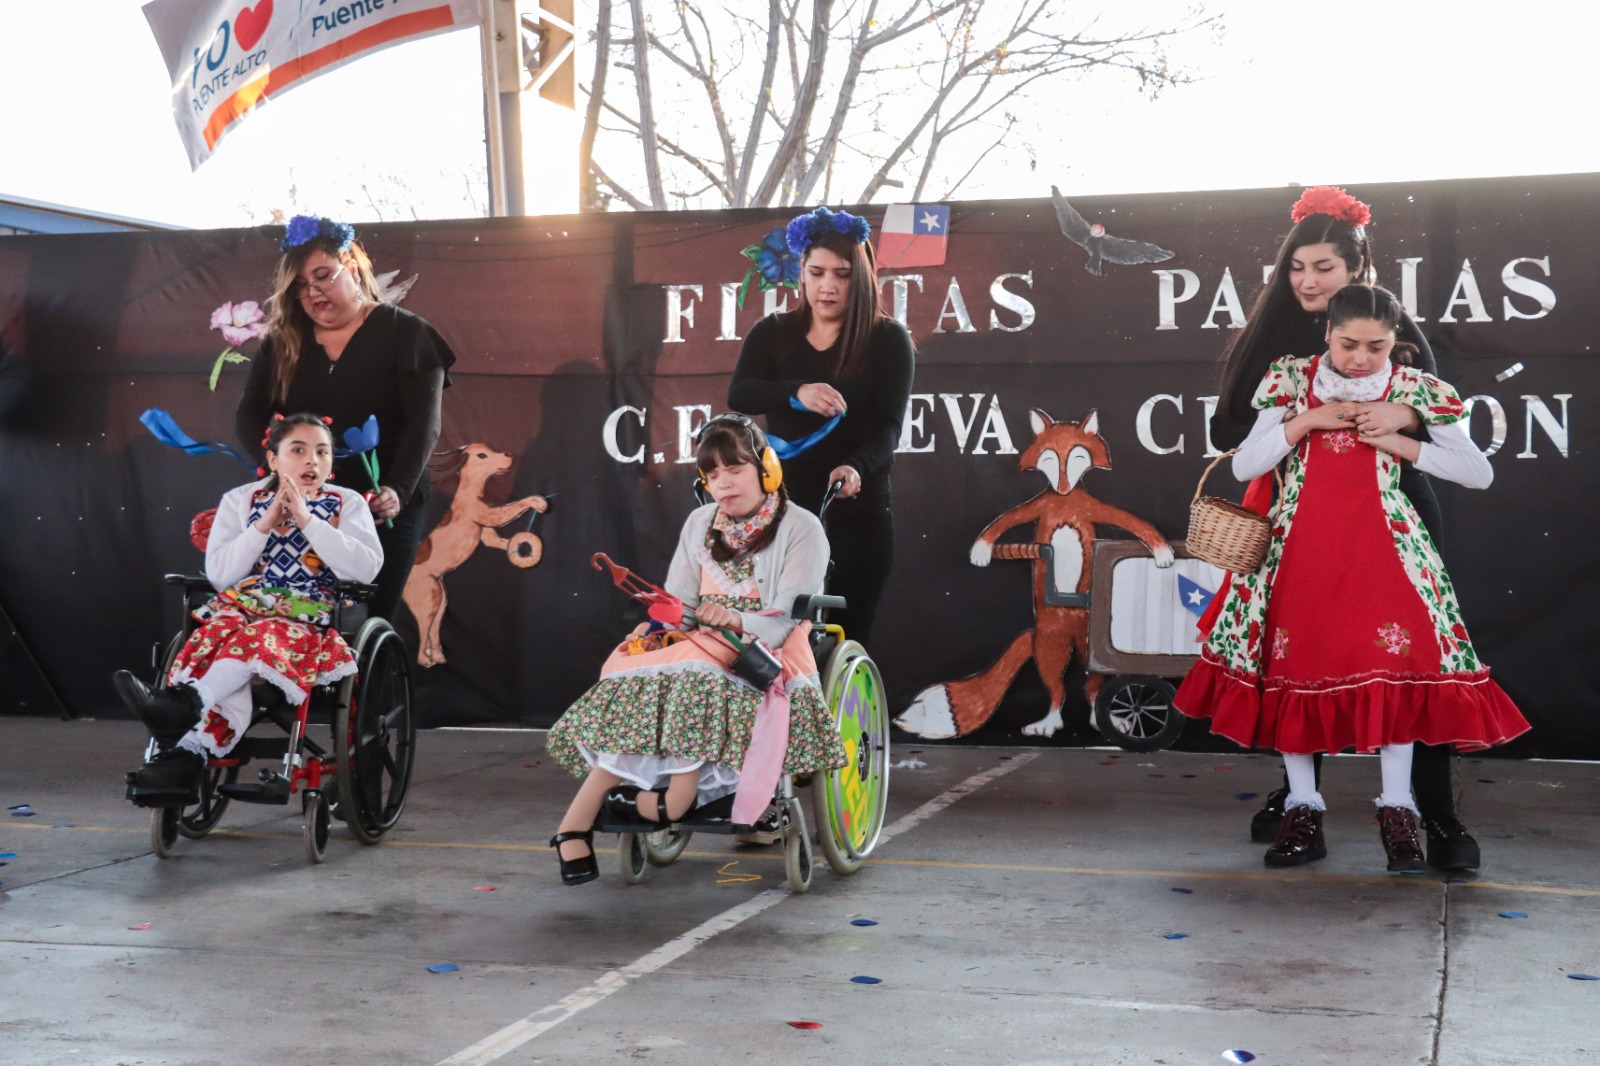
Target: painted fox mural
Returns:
[[1064, 518]]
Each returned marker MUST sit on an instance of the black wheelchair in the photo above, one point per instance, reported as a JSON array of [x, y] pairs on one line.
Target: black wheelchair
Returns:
[[848, 804], [364, 762]]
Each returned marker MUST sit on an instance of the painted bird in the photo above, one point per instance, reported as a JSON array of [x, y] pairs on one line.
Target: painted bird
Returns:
[[1098, 243]]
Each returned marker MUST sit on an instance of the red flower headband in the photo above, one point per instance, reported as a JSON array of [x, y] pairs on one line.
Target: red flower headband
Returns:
[[1330, 200]]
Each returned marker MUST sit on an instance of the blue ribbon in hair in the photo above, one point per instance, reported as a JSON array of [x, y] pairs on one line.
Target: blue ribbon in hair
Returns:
[[786, 449]]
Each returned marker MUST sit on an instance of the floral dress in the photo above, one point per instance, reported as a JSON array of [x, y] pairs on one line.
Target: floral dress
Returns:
[[680, 707], [1349, 635], [276, 621]]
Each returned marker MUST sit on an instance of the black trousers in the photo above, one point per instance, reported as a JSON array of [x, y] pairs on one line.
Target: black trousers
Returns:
[[400, 543], [861, 539]]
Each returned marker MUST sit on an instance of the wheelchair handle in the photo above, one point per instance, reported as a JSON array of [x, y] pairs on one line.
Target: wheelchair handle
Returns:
[[829, 496], [811, 607]]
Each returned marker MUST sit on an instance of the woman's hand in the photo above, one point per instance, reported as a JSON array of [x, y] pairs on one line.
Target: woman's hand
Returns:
[[385, 503], [718, 616], [821, 398], [1380, 418], [294, 503], [1396, 444], [1328, 416], [851, 479]]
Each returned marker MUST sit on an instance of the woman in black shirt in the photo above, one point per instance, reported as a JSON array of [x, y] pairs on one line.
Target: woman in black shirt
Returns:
[[337, 349], [837, 353]]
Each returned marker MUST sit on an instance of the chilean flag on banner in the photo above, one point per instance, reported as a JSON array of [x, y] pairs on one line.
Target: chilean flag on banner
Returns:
[[913, 235]]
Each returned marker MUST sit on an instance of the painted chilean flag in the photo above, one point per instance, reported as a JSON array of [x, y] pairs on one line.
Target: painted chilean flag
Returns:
[[913, 235]]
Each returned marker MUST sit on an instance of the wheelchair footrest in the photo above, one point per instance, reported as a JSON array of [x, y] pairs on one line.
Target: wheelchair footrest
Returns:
[[272, 788], [160, 797]]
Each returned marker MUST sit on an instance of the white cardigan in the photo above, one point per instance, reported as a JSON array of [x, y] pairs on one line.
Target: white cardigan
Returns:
[[350, 550], [793, 564]]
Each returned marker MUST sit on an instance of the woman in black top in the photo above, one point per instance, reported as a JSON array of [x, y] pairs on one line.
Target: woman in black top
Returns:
[[337, 349], [837, 353], [1326, 250]]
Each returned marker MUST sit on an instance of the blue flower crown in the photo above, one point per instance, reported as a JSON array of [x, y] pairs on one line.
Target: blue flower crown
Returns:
[[303, 228], [804, 230]]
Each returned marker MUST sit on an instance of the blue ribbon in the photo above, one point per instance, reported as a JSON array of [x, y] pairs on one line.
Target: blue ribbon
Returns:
[[788, 450], [165, 429]]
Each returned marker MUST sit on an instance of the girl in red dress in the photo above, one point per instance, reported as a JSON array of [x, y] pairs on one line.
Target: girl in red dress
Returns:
[[276, 551], [1349, 635]]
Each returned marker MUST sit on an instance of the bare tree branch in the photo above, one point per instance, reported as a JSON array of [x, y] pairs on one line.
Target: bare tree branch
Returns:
[[623, 194], [588, 193], [769, 68], [794, 137], [647, 121], [675, 149]]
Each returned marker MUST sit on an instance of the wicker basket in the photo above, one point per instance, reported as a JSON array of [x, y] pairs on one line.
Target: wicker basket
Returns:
[[1225, 534]]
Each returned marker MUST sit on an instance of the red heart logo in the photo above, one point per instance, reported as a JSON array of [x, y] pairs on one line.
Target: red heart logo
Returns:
[[250, 23]]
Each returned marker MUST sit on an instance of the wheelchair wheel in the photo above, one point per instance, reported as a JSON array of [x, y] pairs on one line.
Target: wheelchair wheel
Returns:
[[164, 822], [375, 734], [797, 864], [198, 821], [1135, 712], [314, 827], [849, 803], [663, 847], [631, 850]]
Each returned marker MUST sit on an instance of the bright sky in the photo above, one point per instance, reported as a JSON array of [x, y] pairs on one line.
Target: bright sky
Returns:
[[1417, 89]]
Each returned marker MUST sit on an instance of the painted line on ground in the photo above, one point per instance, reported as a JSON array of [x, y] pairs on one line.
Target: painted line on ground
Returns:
[[525, 1029]]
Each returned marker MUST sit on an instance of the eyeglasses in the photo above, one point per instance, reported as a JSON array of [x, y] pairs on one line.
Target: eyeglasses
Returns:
[[299, 289]]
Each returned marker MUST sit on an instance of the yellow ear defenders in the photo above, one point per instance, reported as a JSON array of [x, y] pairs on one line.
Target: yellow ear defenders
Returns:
[[767, 459]]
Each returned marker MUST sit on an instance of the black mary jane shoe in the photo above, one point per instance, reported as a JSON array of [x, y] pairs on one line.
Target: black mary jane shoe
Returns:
[[579, 870]]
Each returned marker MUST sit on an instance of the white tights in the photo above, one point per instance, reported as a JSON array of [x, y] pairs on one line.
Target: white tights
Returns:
[[1394, 764], [225, 694]]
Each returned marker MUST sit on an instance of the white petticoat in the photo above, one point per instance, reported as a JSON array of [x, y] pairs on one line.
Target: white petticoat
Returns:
[[650, 772]]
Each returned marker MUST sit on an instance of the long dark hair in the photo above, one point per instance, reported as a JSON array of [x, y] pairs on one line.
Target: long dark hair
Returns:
[[1276, 309], [728, 442], [863, 308], [287, 321]]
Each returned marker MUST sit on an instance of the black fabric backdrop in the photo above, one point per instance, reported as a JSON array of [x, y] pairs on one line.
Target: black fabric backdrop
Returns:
[[559, 322]]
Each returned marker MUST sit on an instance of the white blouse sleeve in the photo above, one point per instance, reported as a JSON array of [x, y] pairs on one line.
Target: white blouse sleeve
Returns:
[[800, 572], [1266, 445], [683, 576], [351, 549], [1450, 454], [234, 545]]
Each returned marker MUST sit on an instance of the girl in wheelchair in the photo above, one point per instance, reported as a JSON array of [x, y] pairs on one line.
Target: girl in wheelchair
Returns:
[[276, 548], [669, 724]]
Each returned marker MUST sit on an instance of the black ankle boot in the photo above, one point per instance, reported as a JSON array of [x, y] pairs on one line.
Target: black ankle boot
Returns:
[[1450, 846], [1264, 823], [173, 777], [167, 712], [582, 869]]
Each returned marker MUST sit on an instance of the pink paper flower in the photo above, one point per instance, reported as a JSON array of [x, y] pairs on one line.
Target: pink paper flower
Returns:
[[241, 322]]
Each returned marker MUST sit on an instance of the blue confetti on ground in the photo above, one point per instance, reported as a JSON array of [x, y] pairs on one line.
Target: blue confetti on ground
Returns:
[[23, 814], [1177, 936], [1235, 1055], [8, 854], [862, 921], [1583, 977], [1185, 891], [1512, 914], [1190, 775], [1245, 795], [443, 967], [867, 980], [20, 807], [65, 825]]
